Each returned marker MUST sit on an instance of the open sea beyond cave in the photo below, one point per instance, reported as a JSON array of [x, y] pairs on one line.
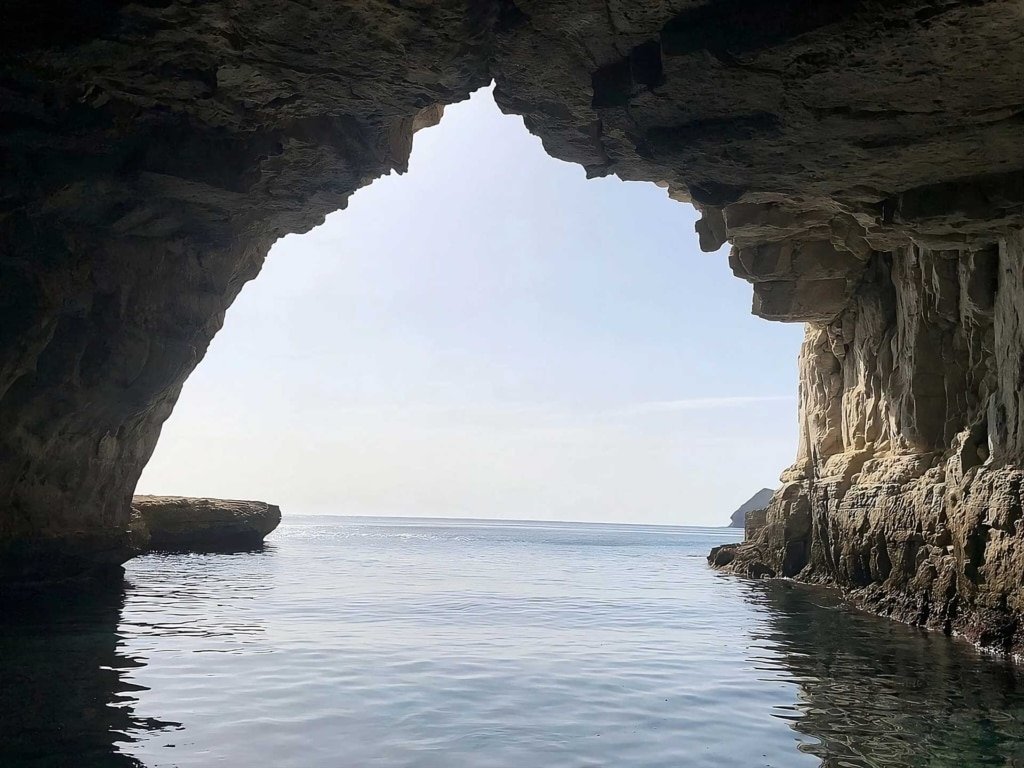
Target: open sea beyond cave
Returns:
[[354, 642]]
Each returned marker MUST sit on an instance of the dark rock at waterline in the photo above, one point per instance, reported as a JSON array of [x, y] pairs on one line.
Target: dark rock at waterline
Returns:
[[74, 560], [722, 555], [180, 523], [741, 559]]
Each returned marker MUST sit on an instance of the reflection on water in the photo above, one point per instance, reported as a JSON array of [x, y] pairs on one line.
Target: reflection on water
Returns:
[[878, 693], [65, 697], [433, 644]]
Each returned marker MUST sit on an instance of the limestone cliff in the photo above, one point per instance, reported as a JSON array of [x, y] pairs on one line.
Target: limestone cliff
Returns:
[[907, 484], [864, 160]]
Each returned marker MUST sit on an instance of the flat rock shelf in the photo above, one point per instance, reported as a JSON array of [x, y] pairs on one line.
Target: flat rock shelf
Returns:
[[181, 523]]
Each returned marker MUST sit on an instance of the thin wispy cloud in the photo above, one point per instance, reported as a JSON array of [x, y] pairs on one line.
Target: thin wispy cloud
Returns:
[[527, 413], [703, 404]]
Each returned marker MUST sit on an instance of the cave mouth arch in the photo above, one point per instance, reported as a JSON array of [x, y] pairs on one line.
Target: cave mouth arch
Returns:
[[489, 334], [864, 161]]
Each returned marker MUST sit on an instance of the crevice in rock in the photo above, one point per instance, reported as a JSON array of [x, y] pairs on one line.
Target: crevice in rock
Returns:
[[742, 26], [615, 84]]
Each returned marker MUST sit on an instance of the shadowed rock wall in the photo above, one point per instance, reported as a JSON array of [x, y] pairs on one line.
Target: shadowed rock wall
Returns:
[[859, 156], [151, 155]]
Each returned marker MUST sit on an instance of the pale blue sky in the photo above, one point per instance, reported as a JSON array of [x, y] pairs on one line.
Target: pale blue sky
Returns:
[[491, 335]]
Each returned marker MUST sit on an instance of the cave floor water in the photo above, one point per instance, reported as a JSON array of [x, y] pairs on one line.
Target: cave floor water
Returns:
[[422, 643]]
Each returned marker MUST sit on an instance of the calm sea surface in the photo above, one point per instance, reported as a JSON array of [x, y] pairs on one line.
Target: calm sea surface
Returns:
[[352, 642]]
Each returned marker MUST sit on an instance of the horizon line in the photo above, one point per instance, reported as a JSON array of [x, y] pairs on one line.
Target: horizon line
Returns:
[[503, 520]]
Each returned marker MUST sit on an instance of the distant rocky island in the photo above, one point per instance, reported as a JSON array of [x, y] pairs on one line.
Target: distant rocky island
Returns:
[[758, 501]]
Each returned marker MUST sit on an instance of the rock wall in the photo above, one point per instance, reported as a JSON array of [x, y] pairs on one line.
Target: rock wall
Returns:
[[907, 484], [754, 521], [151, 153]]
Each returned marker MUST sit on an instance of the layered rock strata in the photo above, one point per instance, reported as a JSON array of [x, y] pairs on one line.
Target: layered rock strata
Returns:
[[859, 156], [181, 524], [907, 484]]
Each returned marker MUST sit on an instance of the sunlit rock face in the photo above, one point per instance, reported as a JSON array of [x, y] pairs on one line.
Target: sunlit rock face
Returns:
[[907, 484], [863, 160]]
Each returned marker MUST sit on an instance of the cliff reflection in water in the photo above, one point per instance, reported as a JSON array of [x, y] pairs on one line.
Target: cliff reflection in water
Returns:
[[64, 697], [879, 693]]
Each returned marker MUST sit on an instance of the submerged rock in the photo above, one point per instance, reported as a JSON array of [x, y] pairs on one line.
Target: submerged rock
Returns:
[[180, 523]]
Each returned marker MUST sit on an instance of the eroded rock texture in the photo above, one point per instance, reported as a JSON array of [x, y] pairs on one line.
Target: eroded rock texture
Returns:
[[153, 151], [907, 486], [151, 155], [190, 524]]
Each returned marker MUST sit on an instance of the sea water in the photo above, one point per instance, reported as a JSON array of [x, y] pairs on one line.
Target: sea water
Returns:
[[362, 642]]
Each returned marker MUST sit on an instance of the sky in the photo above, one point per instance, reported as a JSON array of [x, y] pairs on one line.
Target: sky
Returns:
[[491, 335]]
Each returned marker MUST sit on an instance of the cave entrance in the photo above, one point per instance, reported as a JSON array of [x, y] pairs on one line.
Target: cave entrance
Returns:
[[490, 335]]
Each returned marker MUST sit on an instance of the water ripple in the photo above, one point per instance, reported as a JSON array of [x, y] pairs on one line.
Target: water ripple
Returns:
[[352, 643]]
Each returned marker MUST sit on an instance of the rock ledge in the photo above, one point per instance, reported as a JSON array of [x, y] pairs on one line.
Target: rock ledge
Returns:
[[180, 523]]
